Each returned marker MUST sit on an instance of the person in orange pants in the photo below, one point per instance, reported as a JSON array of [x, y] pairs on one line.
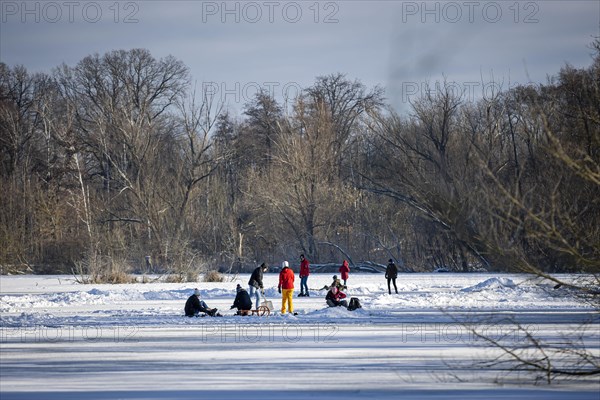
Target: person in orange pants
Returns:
[[286, 287]]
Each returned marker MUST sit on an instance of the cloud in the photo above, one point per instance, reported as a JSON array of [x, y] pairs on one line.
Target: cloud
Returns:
[[378, 42]]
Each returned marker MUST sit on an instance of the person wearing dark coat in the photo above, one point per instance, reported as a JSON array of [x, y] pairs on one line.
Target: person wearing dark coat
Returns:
[[242, 300], [256, 283], [194, 306], [391, 273]]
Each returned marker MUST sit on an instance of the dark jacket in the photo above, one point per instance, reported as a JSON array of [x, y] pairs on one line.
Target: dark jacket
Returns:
[[192, 306], [256, 279], [391, 271], [242, 301]]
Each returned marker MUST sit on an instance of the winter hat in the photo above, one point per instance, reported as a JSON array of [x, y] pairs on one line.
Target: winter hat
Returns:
[[197, 292], [238, 288], [335, 277], [264, 266], [285, 264], [390, 261]]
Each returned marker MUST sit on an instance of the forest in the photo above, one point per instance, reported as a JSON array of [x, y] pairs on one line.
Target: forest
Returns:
[[121, 164]]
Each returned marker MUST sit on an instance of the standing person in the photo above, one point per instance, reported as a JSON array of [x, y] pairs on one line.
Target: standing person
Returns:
[[256, 283], [194, 306], [286, 284], [242, 301], [304, 273], [344, 271], [391, 273]]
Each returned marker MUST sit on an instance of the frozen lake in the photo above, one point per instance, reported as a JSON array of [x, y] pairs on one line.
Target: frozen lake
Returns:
[[62, 340]]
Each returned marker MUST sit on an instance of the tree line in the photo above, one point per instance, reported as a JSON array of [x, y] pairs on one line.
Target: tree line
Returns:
[[120, 163]]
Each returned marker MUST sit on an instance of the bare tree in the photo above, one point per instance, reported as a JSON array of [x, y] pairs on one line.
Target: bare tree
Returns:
[[262, 128], [423, 163], [515, 181], [122, 103], [346, 102], [302, 188]]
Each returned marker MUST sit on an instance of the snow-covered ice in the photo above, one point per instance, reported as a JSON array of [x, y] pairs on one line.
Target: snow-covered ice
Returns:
[[63, 340]]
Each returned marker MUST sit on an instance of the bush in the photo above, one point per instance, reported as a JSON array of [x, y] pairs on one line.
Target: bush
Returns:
[[98, 269], [214, 276]]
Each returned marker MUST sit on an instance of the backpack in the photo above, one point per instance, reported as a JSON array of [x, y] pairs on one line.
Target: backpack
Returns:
[[354, 304]]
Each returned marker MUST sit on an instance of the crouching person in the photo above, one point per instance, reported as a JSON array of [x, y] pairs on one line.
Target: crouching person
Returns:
[[242, 301], [194, 306], [335, 297]]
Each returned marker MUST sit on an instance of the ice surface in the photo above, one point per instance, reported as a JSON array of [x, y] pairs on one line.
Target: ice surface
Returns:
[[62, 340]]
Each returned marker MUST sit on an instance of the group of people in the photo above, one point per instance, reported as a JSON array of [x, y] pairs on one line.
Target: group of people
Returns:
[[335, 295], [286, 282], [243, 300], [194, 306]]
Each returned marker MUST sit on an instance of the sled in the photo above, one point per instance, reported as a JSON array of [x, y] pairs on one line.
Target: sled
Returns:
[[267, 304], [260, 311]]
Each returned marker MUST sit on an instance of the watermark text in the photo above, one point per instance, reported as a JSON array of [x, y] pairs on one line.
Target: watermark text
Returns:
[[456, 333], [45, 334], [69, 11], [253, 12], [238, 92], [452, 12], [291, 333]]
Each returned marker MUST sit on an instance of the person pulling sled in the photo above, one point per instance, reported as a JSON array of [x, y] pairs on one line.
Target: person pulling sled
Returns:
[[256, 283]]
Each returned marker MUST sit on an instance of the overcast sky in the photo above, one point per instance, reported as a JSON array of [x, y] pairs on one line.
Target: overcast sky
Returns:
[[237, 46]]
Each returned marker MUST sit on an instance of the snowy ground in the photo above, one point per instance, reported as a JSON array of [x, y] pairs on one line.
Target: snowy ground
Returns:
[[62, 340]]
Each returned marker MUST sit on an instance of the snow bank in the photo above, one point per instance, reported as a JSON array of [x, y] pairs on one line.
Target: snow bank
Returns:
[[13, 303], [491, 284], [105, 296], [416, 292]]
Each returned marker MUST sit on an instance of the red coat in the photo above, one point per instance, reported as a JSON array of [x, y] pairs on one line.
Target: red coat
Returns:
[[336, 294], [344, 270], [304, 268], [286, 278]]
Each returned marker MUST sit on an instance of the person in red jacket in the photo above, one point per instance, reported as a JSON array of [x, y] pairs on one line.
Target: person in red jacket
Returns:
[[304, 273], [335, 298], [286, 287], [344, 271]]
